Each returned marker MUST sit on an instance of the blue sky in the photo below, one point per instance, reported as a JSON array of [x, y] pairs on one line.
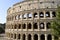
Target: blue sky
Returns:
[[4, 5]]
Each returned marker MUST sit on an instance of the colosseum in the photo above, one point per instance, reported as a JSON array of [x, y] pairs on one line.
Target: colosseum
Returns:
[[31, 20]]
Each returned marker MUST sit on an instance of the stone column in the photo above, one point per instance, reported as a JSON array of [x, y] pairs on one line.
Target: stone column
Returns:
[[32, 37], [44, 14], [21, 27], [32, 15], [32, 19], [38, 14], [26, 37], [9, 36], [38, 26], [27, 16], [17, 36], [50, 14], [45, 36], [52, 37], [13, 36], [21, 36], [38, 36], [21, 16], [14, 17], [26, 26], [45, 25], [32, 26], [17, 26], [13, 27]]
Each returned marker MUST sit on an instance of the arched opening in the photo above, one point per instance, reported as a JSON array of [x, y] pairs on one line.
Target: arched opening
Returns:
[[16, 17], [19, 27], [18, 36], [15, 27], [14, 36], [42, 37], [35, 15], [41, 25], [53, 14], [24, 26], [41, 14], [29, 37], [29, 15], [35, 26], [48, 25], [11, 35], [24, 36], [35, 37], [47, 14], [19, 16], [11, 26], [49, 37], [29, 26], [24, 16]]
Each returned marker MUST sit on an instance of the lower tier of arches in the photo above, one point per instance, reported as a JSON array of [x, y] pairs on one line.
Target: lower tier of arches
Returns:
[[29, 37]]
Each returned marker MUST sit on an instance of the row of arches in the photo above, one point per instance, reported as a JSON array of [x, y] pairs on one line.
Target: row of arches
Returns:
[[42, 37], [35, 37], [32, 15], [35, 25]]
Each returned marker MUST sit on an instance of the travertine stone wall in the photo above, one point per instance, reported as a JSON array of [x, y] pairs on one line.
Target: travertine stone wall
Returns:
[[30, 20]]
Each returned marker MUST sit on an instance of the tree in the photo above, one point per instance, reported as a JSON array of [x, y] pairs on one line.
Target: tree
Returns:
[[55, 24], [2, 28]]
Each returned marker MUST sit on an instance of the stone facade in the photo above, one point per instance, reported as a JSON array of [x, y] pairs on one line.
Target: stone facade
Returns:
[[30, 20]]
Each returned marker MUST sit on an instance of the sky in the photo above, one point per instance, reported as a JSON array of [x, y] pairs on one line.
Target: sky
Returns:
[[4, 5]]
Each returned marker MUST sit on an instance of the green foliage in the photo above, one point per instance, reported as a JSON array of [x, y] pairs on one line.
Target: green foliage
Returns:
[[55, 24], [2, 28]]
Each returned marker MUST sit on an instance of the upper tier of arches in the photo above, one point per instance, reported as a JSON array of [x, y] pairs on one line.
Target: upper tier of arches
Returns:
[[30, 5]]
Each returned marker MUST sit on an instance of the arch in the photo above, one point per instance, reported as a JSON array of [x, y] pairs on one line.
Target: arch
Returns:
[[29, 26], [48, 25], [15, 27], [49, 37], [47, 14], [16, 17], [42, 25], [11, 35], [24, 26], [35, 37], [24, 16], [35, 26], [11, 26], [19, 27], [35, 15], [14, 36], [24, 36], [19, 16], [53, 14], [41, 14], [42, 37], [29, 15], [29, 37], [18, 36]]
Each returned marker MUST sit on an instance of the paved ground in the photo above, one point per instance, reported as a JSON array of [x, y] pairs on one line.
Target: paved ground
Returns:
[[2, 36]]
